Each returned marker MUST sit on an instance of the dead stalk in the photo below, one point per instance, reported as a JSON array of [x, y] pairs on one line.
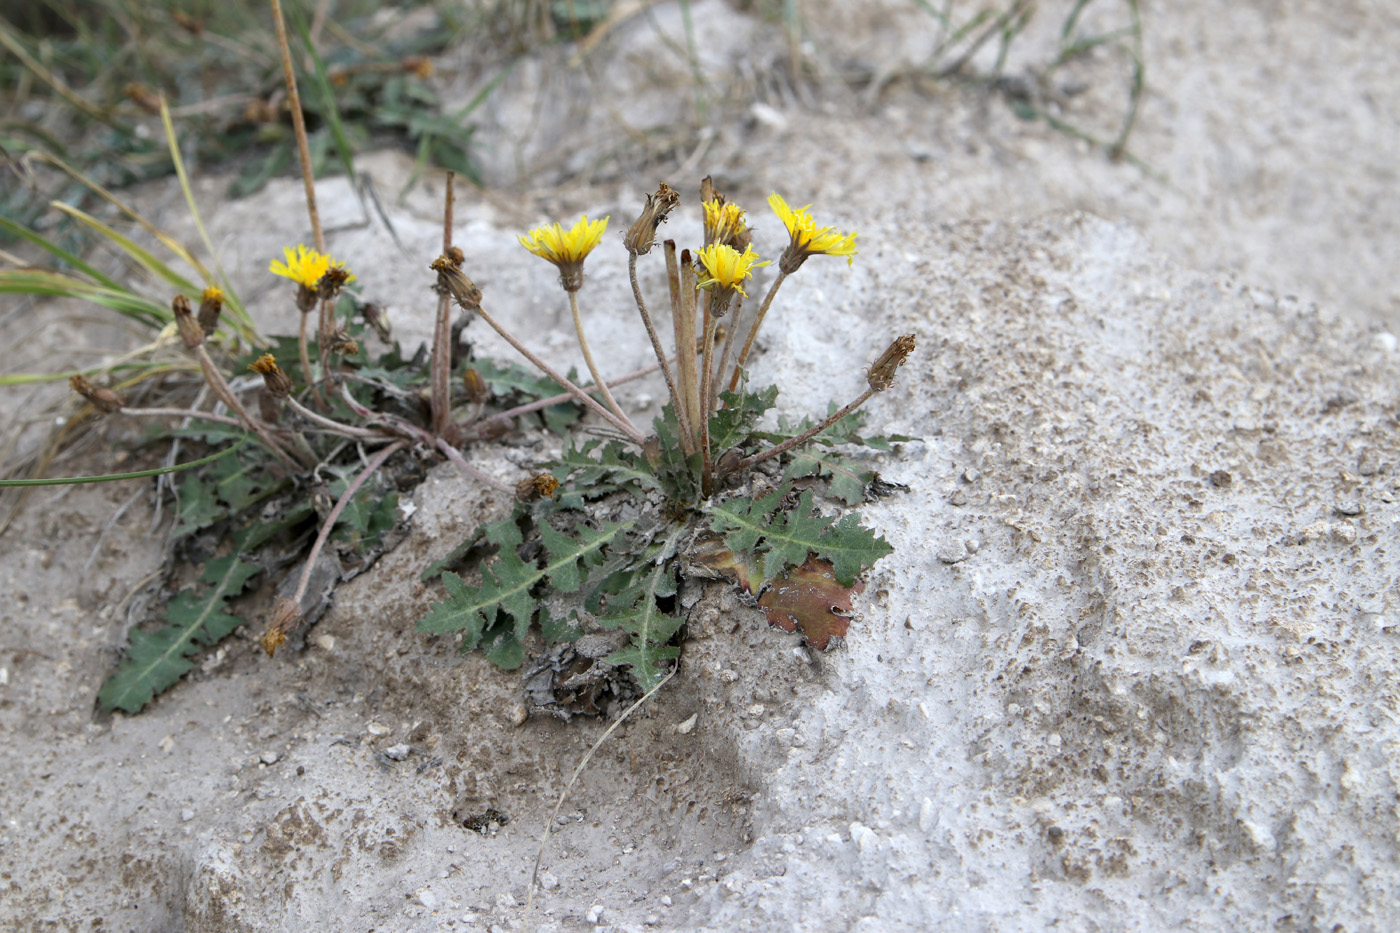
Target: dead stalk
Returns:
[[753, 331], [442, 331], [805, 436], [656, 346]]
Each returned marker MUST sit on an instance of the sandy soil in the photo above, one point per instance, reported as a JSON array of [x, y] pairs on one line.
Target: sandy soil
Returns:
[[1130, 667]]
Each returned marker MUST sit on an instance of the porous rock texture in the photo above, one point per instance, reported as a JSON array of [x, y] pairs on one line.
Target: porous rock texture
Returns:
[[1130, 666]]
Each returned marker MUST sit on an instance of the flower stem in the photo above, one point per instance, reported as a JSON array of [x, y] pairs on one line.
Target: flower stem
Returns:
[[656, 346], [553, 400], [683, 324], [685, 349], [626, 427], [588, 359], [442, 332], [344, 430], [805, 436], [298, 126], [753, 331], [225, 394], [456, 457]]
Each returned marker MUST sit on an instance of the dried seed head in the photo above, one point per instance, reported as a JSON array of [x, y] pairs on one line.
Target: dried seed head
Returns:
[[334, 279], [882, 371], [642, 236], [451, 277], [418, 66], [210, 304], [278, 383], [455, 255], [104, 400], [377, 318], [477, 389], [190, 332], [283, 621], [341, 342], [539, 486], [143, 97]]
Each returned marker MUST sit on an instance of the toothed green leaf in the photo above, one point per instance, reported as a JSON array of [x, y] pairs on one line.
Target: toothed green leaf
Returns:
[[156, 660], [507, 587], [789, 535], [635, 611]]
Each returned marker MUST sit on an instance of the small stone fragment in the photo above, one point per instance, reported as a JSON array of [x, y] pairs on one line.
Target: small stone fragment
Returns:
[[1349, 508], [687, 726], [595, 914], [269, 758], [1221, 479], [377, 728], [1368, 464], [186, 815], [953, 553], [397, 753]]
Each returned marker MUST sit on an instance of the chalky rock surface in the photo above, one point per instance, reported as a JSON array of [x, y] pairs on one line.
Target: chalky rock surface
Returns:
[[1131, 666]]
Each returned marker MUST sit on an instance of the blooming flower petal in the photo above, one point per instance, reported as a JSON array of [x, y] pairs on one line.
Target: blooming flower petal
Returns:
[[725, 267], [807, 238]]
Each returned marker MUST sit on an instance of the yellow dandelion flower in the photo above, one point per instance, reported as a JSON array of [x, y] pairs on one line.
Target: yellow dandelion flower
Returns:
[[725, 268], [304, 266], [807, 238], [566, 250], [724, 223]]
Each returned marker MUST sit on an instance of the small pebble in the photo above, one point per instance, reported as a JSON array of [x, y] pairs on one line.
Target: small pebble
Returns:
[[269, 758], [953, 553], [665, 900], [595, 914], [186, 815], [397, 753], [958, 497], [687, 726], [1387, 341], [548, 881], [972, 475], [1368, 464], [1349, 508], [377, 728]]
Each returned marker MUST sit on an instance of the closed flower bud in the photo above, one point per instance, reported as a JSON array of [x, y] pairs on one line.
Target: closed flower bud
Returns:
[[477, 389], [451, 277], [377, 318], [278, 383], [539, 486], [642, 236], [210, 304], [190, 332], [882, 371], [104, 400], [283, 621]]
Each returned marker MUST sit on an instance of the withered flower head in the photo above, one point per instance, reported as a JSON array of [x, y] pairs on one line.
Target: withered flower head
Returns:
[[539, 486], [807, 239], [210, 304], [342, 343], [307, 267], [477, 389], [451, 277], [191, 334], [277, 382], [104, 400], [283, 621], [881, 375], [377, 318], [642, 236], [328, 288], [566, 250], [418, 66]]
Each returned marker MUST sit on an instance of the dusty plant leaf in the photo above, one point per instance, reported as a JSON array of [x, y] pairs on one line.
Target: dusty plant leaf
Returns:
[[845, 481], [198, 506], [156, 660], [507, 587], [808, 599], [636, 611]]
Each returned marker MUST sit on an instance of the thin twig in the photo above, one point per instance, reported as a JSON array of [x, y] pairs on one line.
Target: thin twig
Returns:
[[374, 463], [544, 841], [805, 436], [626, 427], [335, 427], [706, 378], [588, 360], [456, 457], [298, 126], [225, 394], [753, 331]]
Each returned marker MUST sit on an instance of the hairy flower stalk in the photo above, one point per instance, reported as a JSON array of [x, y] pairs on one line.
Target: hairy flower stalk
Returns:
[[567, 251], [724, 270], [441, 370], [805, 239], [879, 378], [192, 336], [683, 327], [468, 296]]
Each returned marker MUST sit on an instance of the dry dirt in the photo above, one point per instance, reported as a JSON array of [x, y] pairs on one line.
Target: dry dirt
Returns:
[[1131, 665]]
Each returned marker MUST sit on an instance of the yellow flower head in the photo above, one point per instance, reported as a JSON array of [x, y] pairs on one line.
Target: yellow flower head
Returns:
[[725, 268], [303, 266], [566, 250], [724, 223], [807, 238]]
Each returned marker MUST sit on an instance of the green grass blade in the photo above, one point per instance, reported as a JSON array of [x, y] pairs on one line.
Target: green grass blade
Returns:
[[114, 477], [50, 284], [142, 256], [54, 249]]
